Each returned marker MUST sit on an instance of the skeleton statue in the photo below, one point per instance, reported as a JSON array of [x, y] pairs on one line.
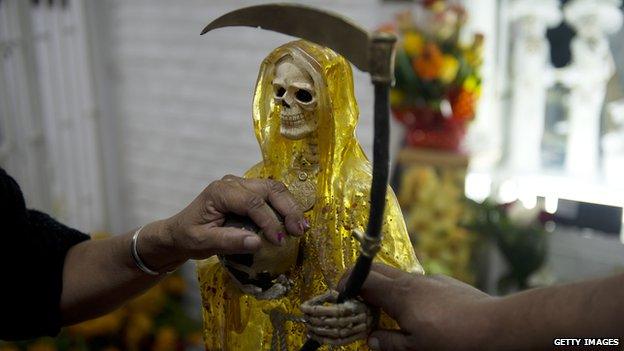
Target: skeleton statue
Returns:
[[304, 114]]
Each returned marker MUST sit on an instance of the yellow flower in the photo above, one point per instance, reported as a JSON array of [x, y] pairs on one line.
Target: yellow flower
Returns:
[[471, 84], [413, 43], [450, 66], [396, 97]]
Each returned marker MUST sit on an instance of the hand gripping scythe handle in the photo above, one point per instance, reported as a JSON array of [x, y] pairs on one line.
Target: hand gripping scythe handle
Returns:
[[369, 52]]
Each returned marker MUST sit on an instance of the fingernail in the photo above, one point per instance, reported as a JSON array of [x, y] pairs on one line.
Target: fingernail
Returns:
[[280, 237], [306, 224], [251, 243], [373, 343]]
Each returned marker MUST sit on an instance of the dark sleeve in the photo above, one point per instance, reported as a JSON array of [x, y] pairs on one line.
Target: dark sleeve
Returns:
[[32, 253]]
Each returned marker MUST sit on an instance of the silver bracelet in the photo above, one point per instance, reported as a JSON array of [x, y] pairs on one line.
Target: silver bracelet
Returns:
[[135, 255]]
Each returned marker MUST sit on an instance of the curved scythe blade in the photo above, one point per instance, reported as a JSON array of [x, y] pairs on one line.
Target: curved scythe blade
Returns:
[[321, 27]]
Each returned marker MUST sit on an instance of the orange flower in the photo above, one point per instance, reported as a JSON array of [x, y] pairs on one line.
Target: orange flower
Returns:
[[463, 105], [429, 64]]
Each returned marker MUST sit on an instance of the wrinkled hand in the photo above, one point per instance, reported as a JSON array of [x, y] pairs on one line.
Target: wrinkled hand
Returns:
[[336, 324], [196, 232], [433, 312]]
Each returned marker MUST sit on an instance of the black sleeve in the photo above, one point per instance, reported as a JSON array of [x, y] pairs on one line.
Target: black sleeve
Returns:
[[32, 253]]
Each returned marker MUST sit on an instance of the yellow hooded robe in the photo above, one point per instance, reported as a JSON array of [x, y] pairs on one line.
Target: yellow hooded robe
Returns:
[[235, 321]]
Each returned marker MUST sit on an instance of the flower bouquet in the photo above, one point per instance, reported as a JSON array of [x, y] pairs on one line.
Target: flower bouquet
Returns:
[[437, 75]]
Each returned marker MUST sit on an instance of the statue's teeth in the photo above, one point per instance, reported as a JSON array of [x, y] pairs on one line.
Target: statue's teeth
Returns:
[[293, 119]]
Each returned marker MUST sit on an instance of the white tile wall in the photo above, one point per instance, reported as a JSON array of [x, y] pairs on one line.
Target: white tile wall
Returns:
[[184, 101]]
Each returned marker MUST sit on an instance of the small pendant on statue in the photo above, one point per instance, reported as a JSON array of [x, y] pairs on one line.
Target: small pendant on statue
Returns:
[[303, 188]]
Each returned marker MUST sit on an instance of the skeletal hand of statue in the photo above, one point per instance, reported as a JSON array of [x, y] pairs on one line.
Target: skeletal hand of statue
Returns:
[[336, 324], [281, 287]]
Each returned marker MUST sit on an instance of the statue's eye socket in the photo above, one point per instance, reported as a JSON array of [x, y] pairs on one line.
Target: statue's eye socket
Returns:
[[280, 91], [303, 95]]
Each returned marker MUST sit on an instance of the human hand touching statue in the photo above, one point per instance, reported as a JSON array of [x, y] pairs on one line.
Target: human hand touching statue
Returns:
[[433, 312], [441, 313], [197, 231]]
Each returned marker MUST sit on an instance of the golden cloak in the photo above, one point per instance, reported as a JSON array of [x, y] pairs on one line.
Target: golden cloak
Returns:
[[235, 321]]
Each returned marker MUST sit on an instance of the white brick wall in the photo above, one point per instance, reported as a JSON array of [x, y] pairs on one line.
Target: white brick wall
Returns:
[[184, 101]]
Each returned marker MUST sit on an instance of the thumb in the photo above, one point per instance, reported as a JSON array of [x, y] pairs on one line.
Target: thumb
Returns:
[[226, 240], [379, 291], [388, 340]]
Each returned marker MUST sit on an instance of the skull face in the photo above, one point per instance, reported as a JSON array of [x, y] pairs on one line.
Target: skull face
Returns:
[[294, 91]]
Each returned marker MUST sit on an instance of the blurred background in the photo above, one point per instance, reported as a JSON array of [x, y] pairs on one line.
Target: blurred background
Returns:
[[507, 133]]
